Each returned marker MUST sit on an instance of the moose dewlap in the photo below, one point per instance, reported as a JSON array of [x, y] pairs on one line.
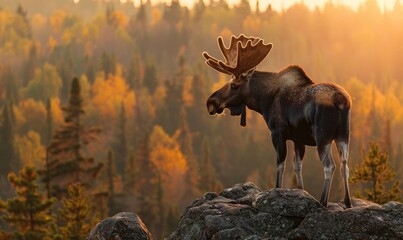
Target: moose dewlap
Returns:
[[293, 106]]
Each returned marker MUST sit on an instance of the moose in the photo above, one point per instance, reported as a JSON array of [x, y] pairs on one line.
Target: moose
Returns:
[[293, 106]]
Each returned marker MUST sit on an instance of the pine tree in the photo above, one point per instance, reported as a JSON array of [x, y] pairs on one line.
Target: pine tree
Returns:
[[135, 72], [132, 171], [11, 84], [28, 69], [150, 76], [67, 163], [146, 187], [172, 220], [160, 206], [192, 177], [387, 139], [208, 182], [27, 213], [49, 131], [376, 172], [120, 147], [9, 160], [110, 177], [26, 30], [76, 213], [108, 64]]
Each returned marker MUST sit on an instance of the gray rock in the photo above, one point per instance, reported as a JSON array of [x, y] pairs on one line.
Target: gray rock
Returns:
[[123, 225], [246, 212]]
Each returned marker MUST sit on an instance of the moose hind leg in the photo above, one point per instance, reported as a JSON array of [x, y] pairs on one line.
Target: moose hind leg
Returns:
[[299, 149], [325, 155], [342, 147]]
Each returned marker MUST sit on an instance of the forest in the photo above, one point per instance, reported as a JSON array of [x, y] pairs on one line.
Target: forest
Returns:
[[113, 96]]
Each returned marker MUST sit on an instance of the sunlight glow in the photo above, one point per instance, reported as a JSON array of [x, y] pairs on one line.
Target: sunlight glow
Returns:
[[281, 5]]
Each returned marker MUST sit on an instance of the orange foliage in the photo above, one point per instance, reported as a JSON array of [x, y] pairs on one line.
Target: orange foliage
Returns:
[[169, 161], [30, 149], [109, 94]]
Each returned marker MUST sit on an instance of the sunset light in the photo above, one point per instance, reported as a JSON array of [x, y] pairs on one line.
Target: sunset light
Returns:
[[201, 119]]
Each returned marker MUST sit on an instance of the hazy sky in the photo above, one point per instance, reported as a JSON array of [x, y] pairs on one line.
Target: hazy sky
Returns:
[[283, 4]]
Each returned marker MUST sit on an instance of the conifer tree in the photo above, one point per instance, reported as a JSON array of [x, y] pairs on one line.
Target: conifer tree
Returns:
[[160, 206], [108, 64], [387, 139], [67, 163], [132, 171], [135, 76], [376, 172], [76, 213], [146, 187], [192, 177], [27, 213], [172, 220], [26, 30], [28, 69], [11, 84], [150, 76], [49, 131], [208, 182], [9, 160], [110, 177], [120, 147]]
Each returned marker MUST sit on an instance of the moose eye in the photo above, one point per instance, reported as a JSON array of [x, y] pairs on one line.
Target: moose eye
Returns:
[[234, 86]]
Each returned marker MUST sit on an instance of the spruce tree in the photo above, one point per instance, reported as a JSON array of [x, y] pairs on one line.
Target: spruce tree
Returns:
[[208, 182], [49, 131], [76, 213], [160, 221], [67, 164], [150, 76], [172, 220], [146, 186], [9, 160], [120, 147], [192, 177], [376, 173], [108, 64], [110, 174], [26, 31], [135, 72], [27, 213], [132, 171]]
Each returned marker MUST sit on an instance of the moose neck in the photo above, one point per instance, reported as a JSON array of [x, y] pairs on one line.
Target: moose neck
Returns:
[[260, 91]]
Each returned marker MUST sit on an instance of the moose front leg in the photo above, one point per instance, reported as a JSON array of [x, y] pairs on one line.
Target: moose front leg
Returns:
[[299, 149], [281, 148]]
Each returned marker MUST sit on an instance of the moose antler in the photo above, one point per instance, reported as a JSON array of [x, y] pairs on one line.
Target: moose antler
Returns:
[[242, 55]]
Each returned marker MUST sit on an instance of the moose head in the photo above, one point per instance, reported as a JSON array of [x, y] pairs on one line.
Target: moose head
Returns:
[[241, 59]]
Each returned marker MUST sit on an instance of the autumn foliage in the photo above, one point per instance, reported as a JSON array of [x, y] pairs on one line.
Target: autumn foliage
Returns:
[[143, 86]]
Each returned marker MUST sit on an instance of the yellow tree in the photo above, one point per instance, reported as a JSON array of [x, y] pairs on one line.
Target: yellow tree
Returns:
[[169, 162]]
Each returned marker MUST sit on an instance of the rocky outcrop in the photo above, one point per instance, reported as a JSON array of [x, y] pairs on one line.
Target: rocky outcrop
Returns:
[[123, 225], [246, 212]]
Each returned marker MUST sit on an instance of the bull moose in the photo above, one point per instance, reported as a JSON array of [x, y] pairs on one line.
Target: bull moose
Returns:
[[293, 106]]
